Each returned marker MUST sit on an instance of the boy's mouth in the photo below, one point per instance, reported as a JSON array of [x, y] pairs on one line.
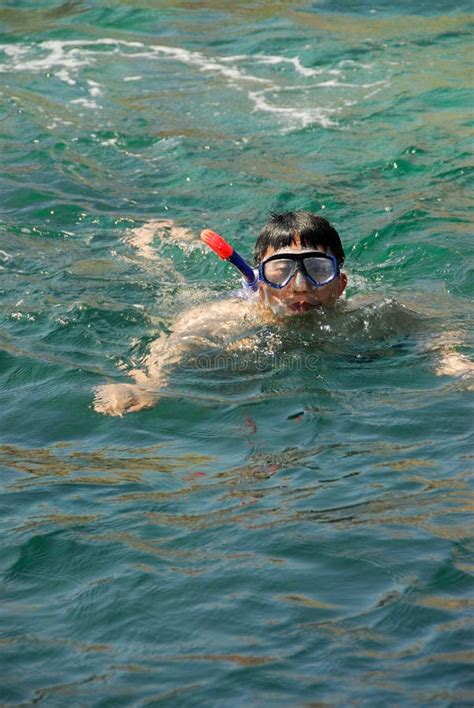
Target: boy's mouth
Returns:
[[301, 306]]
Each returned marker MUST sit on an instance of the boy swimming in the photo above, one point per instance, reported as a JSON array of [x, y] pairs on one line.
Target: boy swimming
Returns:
[[298, 255]]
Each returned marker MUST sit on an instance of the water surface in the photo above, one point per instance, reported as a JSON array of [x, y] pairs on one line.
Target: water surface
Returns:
[[294, 530]]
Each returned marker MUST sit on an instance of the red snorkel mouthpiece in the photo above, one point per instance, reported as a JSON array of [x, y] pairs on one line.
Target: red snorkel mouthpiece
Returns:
[[219, 245], [225, 251]]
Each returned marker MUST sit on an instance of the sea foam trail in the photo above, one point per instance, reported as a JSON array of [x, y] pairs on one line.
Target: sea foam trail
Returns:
[[67, 54], [66, 60]]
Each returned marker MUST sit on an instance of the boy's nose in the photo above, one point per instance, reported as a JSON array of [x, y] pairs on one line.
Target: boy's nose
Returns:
[[299, 282]]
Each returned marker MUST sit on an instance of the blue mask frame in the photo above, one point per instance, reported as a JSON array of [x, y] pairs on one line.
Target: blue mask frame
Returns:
[[298, 259]]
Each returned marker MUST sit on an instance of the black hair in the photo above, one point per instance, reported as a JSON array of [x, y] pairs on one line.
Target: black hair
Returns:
[[283, 229]]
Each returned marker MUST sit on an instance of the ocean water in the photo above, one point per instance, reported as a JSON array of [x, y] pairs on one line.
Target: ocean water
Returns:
[[289, 527]]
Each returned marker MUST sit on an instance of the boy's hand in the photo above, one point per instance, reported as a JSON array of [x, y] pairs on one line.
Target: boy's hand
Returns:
[[117, 399], [455, 364]]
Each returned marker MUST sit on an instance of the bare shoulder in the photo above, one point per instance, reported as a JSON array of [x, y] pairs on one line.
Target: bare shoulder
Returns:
[[222, 316]]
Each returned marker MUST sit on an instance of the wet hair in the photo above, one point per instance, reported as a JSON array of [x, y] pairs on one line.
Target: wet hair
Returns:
[[282, 230]]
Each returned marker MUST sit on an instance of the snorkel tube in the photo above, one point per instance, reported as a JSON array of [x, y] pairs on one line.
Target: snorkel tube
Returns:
[[225, 251]]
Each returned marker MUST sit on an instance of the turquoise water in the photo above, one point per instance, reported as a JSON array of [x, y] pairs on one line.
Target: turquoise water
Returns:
[[269, 532]]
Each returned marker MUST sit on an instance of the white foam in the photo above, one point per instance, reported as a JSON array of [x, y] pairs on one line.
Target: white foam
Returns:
[[14, 50], [375, 83], [301, 116], [75, 59], [94, 88], [66, 59], [356, 64], [57, 57], [273, 60], [65, 76], [85, 102], [333, 83], [206, 63]]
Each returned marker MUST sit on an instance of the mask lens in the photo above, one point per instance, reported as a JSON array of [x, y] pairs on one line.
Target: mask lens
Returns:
[[320, 269], [278, 271]]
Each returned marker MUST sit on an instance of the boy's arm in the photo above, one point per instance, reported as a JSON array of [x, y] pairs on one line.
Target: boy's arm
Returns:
[[451, 362], [142, 237], [455, 364], [448, 361], [208, 325]]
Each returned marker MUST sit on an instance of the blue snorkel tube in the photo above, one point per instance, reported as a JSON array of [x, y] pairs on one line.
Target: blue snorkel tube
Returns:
[[225, 251]]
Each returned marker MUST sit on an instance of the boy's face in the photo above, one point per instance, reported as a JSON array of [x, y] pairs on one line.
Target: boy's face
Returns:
[[300, 296]]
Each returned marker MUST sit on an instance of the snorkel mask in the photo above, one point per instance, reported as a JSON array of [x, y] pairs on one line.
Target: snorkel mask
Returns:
[[317, 267]]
